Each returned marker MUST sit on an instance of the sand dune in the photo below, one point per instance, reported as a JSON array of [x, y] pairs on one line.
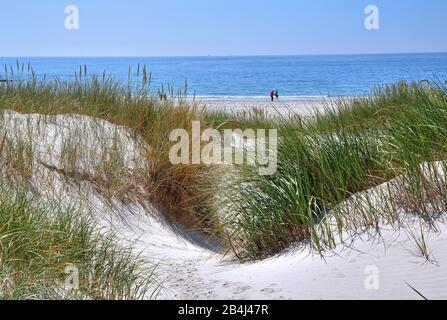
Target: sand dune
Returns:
[[368, 267], [297, 105]]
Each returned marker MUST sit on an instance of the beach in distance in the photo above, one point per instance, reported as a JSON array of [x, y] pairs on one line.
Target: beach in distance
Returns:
[[231, 84], [236, 79]]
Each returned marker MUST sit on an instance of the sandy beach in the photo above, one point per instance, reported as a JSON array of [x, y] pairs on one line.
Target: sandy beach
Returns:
[[305, 106]]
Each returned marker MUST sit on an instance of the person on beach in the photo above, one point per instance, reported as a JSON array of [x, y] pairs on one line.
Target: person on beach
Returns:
[[276, 94], [272, 95]]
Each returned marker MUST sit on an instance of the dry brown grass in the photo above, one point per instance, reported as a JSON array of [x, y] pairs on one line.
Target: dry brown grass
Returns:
[[183, 194]]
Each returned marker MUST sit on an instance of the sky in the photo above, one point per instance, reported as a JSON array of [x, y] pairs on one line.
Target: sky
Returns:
[[220, 27]]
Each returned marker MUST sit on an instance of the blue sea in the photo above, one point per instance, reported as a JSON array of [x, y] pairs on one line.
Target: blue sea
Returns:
[[293, 76]]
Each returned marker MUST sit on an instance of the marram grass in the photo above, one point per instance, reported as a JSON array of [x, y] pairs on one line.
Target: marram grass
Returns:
[[354, 145]]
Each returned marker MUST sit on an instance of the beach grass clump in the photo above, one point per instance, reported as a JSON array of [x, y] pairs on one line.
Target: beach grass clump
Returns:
[[16, 158], [51, 253], [315, 173], [182, 193], [357, 145]]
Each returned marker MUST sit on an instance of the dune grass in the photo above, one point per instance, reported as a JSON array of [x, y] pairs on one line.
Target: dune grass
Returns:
[[40, 245], [178, 191], [354, 145]]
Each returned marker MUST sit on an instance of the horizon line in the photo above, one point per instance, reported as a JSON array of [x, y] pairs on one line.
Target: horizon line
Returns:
[[228, 56]]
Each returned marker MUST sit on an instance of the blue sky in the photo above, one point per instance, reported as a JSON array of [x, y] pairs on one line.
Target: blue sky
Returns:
[[220, 27]]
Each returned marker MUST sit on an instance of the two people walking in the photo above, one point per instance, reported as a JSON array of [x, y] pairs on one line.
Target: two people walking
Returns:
[[274, 94]]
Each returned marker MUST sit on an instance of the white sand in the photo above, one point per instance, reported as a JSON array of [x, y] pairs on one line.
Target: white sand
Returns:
[[297, 105], [189, 270]]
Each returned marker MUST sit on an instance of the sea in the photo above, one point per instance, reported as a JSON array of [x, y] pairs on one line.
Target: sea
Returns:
[[254, 76]]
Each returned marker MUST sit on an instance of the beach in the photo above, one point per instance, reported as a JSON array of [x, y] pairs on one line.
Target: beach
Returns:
[[305, 106]]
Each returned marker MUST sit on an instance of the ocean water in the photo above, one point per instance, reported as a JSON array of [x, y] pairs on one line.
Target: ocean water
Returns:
[[293, 76]]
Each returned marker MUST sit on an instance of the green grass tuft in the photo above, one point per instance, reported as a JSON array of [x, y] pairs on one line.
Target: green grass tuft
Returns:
[[39, 242]]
